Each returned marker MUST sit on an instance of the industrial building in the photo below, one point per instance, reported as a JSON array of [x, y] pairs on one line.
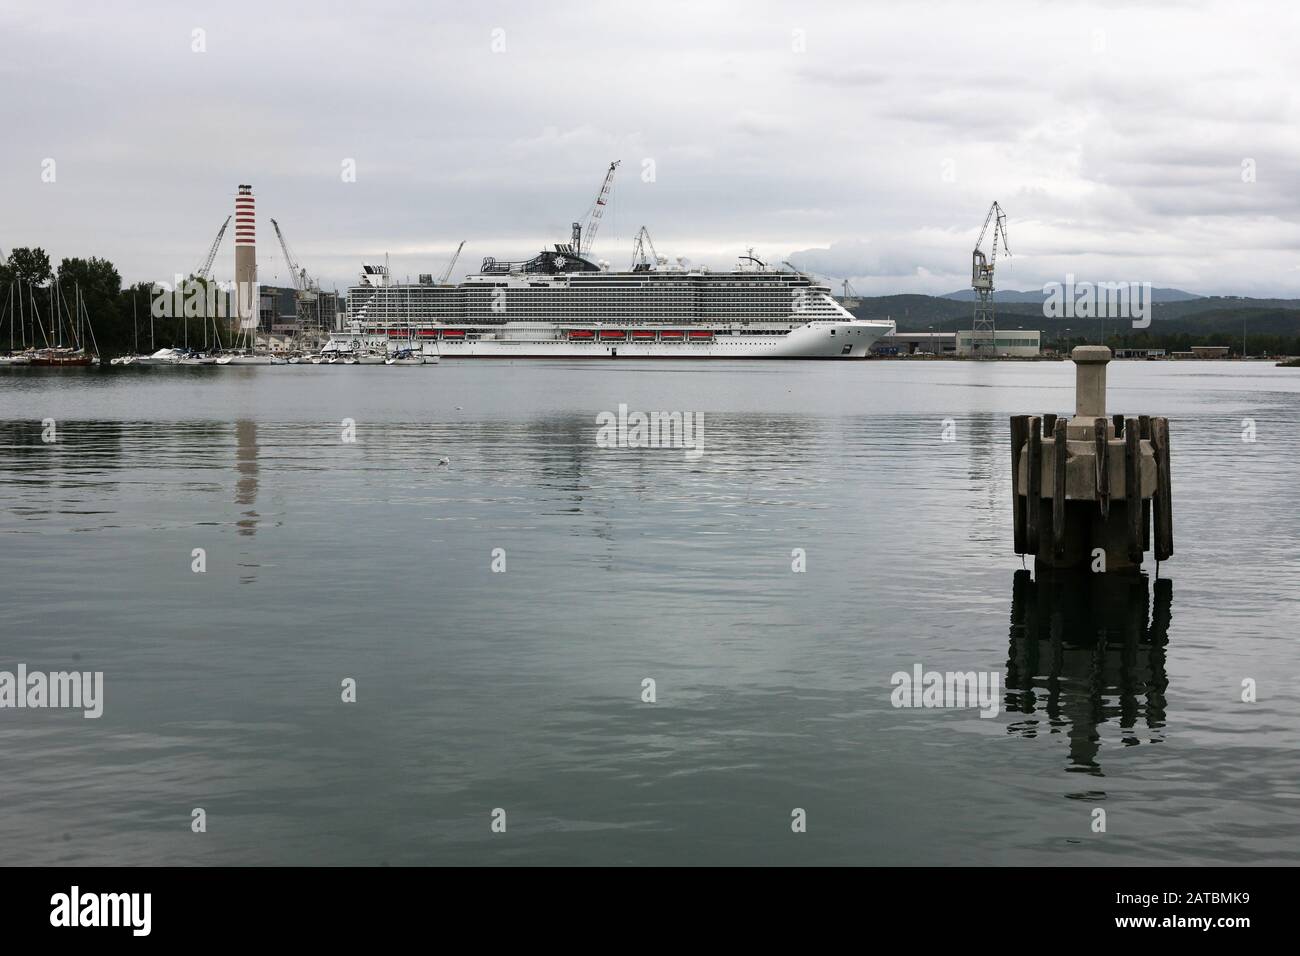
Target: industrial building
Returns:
[[279, 313], [1020, 343], [916, 343], [1139, 353], [281, 326]]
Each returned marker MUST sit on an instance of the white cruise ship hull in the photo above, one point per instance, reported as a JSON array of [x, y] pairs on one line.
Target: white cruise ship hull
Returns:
[[560, 304], [850, 339]]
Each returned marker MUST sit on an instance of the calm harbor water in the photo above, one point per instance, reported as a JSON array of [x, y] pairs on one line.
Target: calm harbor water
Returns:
[[522, 690]]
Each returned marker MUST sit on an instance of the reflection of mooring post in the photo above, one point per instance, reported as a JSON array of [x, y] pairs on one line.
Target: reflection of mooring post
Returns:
[[1080, 644], [1089, 483]]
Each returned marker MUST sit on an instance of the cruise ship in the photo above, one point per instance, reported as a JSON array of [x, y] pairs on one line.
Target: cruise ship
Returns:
[[562, 304]]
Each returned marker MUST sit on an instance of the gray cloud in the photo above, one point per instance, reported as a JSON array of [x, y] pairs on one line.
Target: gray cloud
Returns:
[[1113, 134]]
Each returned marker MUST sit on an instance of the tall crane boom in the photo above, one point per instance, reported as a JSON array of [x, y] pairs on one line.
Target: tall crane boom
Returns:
[[301, 281], [984, 330], [641, 261], [584, 235], [206, 265], [981, 268], [446, 273]]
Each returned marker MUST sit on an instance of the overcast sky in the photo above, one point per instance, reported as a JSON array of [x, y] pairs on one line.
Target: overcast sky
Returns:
[[862, 140]]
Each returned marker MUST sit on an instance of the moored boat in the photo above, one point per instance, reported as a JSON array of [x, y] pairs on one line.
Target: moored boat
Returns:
[[405, 357], [60, 357], [250, 358]]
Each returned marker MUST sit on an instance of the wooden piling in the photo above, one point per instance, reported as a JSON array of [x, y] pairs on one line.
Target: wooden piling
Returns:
[[1057, 523], [1019, 504], [1058, 490], [1103, 468], [1133, 488], [1144, 430], [1163, 510], [1033, 484]]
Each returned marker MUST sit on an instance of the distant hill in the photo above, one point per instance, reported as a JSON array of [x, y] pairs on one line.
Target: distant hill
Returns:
[[1272, 324], [1038, 295], [1203, 315]]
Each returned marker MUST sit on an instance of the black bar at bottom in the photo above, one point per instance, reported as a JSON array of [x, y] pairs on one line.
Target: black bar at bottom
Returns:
[[335, 906]]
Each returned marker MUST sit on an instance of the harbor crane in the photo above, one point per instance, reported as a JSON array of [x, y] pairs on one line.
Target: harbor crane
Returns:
[[585, 234], [850, 299], [305, 289], [984, 330], [205, 266], [446, 273], [302, 283], [641, 261]]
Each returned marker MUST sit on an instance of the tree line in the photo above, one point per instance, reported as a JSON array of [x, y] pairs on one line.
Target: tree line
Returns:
[[120, 318]]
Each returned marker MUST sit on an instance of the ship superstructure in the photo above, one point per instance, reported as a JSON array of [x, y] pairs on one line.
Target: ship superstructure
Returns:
[[562, 304]]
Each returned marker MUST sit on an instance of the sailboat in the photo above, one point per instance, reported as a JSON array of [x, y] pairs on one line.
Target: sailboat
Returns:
[[246, 350], [405, 357], [59, 355], [160, 357], [13, 309], [412, 354]]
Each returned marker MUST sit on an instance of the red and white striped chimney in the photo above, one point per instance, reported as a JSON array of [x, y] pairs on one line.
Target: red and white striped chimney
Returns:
[[245, 218], [246, 257]]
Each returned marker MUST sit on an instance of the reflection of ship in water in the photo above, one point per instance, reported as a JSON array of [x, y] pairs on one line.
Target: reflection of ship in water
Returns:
[[246, 466], [1086, 650]]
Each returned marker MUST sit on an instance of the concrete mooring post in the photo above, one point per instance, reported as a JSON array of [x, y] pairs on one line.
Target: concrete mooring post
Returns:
[[1088, 483]]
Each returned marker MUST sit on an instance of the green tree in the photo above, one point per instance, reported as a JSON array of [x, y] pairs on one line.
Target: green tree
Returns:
[[29, 265], [100, 286], [95, 276]]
